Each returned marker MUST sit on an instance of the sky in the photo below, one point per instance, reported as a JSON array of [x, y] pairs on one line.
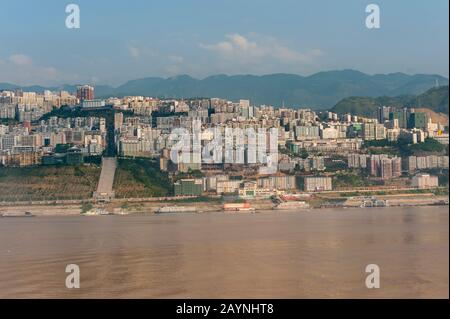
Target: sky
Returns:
[[123, 40]]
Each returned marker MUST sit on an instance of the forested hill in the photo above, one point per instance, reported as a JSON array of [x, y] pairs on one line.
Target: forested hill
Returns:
[[435, 99]]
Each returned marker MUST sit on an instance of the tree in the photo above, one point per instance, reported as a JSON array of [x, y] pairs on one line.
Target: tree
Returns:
[[304, 154]]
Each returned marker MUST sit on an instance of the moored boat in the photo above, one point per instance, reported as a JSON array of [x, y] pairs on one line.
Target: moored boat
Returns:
[[292, 205], [238, 207], [24, 214], [176, 209], [97, 212]]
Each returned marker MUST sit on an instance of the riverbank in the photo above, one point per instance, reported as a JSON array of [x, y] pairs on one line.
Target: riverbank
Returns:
[[150, 207]]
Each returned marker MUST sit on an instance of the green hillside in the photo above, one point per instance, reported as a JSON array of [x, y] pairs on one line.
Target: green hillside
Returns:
[[435, 99]]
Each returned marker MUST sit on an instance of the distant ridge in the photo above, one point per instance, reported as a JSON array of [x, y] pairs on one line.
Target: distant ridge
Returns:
[[320, 91]]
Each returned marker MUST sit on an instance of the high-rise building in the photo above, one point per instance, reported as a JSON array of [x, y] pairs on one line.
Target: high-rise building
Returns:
[[308, 132], [244, 103], [418, 120], [368, 131], [396, 167], [373, 131], [85, 92], [383, 113], [401, 116], [380, 132], [317, 183], [318, 163], [386, 168], [425, 181], [118, 120], [357, 160]]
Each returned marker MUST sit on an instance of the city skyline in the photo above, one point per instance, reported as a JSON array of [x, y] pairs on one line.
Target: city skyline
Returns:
[[216, 38], [254, 149]]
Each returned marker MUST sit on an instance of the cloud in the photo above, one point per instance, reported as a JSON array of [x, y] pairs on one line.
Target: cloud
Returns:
[[176, 59], [20, 59], [19, 68], [239, 47], [172, 69], [138, 51], [175, 65], [134, 52]]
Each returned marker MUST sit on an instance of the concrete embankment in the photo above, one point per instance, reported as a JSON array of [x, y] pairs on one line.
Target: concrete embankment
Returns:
[[402, 200], [152, 207], [43, 210], [122, 207]]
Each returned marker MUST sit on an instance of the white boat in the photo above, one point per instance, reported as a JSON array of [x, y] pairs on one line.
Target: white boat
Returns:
[[25, 214], [247, 209], [97, 212], [176, 209], [238, 207], [120, 211], [374, 202], [292, 205]]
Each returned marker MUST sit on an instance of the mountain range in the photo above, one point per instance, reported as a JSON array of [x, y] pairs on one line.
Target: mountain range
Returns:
[[321, 90]]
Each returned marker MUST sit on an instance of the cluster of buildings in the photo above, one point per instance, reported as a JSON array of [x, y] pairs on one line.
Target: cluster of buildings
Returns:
[[31, 106], [392, 123], [50, 141], [380, 165], [417, 163], [423, 181], [263, 187], [143, 127], [388, 167]]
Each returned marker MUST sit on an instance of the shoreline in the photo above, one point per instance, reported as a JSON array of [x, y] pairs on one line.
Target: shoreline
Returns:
[[149, 208]]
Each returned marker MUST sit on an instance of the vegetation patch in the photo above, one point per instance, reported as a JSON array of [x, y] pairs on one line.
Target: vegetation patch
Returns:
[[48, 182], [403, 147], [140, 177], [350, 180]]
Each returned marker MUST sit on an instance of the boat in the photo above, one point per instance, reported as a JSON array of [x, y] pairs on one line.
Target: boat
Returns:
[[120, 211], [97, 212], [292, 205], [238, 207], [176, 209], [374, 202], [104, 212], [25, 214]]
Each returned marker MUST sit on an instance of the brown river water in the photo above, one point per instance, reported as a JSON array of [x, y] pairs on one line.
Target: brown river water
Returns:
[[316, 254]]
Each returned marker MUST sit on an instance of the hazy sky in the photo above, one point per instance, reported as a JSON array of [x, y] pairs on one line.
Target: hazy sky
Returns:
[[123, 40]]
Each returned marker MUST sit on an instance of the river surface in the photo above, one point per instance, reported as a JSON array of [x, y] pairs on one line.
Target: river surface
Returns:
[[317, 254]]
